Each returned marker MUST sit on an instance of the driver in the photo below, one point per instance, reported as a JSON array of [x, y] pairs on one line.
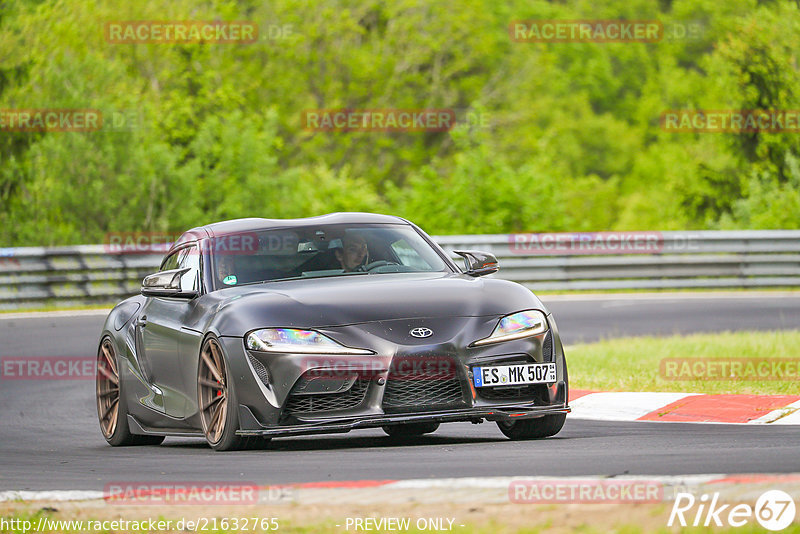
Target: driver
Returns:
[[225, 270], [353, 253]]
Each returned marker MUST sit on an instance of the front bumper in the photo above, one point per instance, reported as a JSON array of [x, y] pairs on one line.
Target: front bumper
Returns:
[[271, 405]]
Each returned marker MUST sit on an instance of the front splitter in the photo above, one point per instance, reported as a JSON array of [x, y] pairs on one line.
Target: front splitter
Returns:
[[506, 413]]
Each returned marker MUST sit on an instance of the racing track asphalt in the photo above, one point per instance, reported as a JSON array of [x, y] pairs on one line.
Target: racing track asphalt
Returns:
[[49, 437]]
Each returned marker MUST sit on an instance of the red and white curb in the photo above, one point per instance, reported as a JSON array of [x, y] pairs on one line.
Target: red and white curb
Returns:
[[494, 490], [685, 407]]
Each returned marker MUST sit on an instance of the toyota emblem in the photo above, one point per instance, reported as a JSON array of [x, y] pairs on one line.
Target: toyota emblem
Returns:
[[421, 332]]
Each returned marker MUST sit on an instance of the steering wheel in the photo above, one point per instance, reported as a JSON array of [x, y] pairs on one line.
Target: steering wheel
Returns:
[[375, 264]]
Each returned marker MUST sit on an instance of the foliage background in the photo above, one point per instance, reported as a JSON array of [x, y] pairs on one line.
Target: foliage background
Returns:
[[571, 140]]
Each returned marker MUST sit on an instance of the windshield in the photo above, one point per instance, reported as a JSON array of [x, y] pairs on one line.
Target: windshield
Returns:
[[320, 251]]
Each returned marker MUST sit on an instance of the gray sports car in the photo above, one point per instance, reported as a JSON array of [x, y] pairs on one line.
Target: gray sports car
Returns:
[[256, 328]]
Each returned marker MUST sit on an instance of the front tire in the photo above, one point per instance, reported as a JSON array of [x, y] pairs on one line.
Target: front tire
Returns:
[[217, 401], [540, 427], [410, 429], [112, 409]]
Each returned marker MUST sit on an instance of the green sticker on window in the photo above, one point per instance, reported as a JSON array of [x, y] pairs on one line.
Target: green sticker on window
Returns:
[[229, 280]]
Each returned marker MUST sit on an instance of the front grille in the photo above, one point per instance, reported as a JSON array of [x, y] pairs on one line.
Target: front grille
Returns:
[[261, 371], [325, 402], [547, 348], [422, 383], [528, 392]]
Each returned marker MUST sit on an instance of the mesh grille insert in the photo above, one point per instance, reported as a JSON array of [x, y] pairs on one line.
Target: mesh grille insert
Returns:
[[422, 383], [547, 348], [325, 402], [261, 371]]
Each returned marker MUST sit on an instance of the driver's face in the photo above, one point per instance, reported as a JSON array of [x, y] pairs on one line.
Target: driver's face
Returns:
[[352, 254]]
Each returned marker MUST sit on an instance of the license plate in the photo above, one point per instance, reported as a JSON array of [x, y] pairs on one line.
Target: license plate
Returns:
[[510, 375]]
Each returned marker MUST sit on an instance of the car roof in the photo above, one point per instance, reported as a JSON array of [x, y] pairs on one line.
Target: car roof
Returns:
[[236, 226]]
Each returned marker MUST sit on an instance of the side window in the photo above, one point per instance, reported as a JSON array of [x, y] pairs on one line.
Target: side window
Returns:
[[408, 255], [190, 257], [185, 257], [171, 262]]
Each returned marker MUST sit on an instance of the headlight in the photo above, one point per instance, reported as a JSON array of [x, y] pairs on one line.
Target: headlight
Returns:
[[294, 340], [515, 326]]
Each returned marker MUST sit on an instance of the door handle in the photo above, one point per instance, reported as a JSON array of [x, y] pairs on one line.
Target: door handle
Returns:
[[142, 321]]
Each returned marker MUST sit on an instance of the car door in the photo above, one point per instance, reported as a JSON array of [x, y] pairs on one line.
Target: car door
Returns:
[[161, 329]]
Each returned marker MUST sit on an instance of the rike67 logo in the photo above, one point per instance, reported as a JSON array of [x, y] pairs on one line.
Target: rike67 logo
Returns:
[[774, 510]]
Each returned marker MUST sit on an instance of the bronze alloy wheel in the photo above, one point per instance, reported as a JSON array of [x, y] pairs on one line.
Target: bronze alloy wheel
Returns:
[[212, 390], [107, 388]]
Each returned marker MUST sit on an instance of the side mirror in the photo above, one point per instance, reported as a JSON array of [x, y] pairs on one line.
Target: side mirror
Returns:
[[166, 284], [478, 263]]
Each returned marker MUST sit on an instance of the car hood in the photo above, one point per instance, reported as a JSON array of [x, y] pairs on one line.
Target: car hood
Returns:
[[325, 302]]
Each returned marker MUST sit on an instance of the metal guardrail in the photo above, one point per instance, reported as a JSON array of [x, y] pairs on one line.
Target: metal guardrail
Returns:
[[89, 274], [667, 260], [70, 276]]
